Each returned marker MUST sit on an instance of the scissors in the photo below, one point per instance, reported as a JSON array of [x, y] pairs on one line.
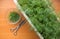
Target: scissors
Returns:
[[14, 30]]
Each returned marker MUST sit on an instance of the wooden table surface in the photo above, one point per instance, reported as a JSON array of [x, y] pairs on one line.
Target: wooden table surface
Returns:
[[24, 32], [56, 5]]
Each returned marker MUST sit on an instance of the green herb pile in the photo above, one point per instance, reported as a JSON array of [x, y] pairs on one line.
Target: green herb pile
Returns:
[[42, 16], [14, 16]]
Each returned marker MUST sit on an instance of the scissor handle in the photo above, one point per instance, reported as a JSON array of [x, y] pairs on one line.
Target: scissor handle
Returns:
[[14, 30]]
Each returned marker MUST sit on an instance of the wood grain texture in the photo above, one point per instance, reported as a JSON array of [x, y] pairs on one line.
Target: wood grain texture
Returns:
[[23, 33]]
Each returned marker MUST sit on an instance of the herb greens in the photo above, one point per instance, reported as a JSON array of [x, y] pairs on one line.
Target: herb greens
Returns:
[[42, 17], [14, 16]]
